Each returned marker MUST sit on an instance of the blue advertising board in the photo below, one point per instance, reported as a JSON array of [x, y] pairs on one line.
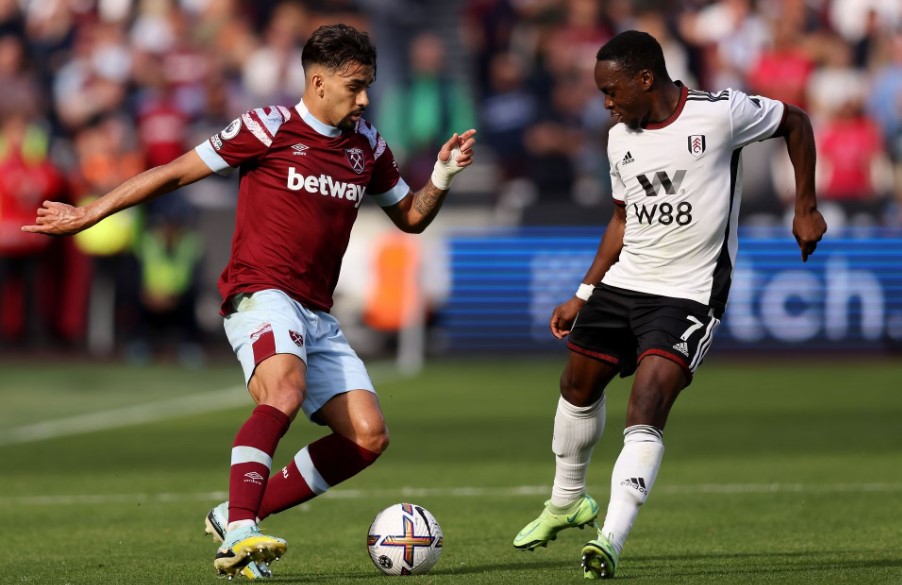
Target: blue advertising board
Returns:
[[848, 296]]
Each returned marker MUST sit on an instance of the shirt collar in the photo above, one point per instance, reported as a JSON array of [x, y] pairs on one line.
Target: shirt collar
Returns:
[[320, 127]]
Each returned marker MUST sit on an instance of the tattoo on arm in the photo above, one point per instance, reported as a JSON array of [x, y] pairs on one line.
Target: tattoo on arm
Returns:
[[428, 199]]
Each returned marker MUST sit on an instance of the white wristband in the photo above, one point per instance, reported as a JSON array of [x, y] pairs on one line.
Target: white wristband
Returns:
[[444, 171], [584, 291]]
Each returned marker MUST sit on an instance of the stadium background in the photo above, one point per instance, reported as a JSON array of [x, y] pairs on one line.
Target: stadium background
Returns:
[[97, 91], [119, 393]]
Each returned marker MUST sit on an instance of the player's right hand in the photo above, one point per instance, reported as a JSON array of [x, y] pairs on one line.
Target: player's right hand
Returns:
[[563, 316], [58, 219]]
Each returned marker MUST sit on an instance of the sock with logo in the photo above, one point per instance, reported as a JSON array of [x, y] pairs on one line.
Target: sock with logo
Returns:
[[631, 481], [576, 431], [252, 453], [314, 469]]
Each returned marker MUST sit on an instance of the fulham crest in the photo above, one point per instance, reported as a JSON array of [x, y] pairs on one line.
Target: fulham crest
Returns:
[[355, 159], [697, 145]]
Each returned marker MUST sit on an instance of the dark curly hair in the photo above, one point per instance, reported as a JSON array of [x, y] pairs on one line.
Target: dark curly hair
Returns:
[[335, 46], [634, 51]]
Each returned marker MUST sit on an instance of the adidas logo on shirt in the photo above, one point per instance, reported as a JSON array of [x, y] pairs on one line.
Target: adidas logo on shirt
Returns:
[[628, 158], [682, 347], [635, 483]]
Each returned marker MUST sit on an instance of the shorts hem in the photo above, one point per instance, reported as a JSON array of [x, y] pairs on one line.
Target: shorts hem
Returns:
[[602, 357]]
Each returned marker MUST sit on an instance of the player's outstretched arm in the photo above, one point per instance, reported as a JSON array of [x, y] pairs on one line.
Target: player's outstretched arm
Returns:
[[609, 248], [416, 211], [808, 225], [59, 219]]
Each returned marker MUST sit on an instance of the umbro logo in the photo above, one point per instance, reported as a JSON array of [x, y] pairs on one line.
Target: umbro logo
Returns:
[[628, 158], [682, 347], [636, 483], [253, 477], [299, 149]]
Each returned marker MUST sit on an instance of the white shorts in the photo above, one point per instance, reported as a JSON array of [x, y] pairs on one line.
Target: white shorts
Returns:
[[270, 322]]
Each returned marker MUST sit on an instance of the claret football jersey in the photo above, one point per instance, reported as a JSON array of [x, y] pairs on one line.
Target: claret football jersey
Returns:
[[300, 187], [681, 181]]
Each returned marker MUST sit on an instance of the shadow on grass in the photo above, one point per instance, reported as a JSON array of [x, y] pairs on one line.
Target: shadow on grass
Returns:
[[438, 572], [648, 568], [777, 562]]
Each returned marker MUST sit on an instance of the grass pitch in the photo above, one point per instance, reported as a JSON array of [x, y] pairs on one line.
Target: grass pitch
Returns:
[[775, 472]]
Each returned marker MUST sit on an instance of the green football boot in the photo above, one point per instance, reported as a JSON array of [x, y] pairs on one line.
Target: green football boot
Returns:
[[545, 528], [599, 559]]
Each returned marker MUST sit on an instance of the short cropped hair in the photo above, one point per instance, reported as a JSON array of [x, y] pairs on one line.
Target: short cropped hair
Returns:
[[635, 51], [335, 46]]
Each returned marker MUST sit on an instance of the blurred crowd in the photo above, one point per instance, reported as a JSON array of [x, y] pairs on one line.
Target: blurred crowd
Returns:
[[95, 91]]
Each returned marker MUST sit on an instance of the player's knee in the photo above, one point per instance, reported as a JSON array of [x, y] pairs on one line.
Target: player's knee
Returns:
[[375, 440], [291, 395], [286, 394], [577, 392], [646, 407]]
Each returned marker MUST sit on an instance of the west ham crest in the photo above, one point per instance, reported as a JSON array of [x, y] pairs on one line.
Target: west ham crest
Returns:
[[697, 145], [296, 337], [355, 159]]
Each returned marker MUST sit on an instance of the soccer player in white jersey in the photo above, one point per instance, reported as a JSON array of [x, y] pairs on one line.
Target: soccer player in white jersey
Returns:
[[657, 288], [304, 171]]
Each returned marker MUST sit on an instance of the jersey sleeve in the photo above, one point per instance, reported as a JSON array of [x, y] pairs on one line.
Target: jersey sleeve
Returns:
[[618, 188], [753, 118], [386, 186], [246, 138]]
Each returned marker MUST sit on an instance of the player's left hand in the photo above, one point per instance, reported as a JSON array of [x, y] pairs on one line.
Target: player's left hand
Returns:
[[808, 229], [455, 155], [458, 150]]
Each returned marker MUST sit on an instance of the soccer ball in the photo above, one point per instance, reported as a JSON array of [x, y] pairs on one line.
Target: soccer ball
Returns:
[[404, 539]]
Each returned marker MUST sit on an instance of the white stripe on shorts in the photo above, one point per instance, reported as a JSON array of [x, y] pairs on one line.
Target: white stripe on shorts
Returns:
[[314, 480], [704, 344], [251, 455]]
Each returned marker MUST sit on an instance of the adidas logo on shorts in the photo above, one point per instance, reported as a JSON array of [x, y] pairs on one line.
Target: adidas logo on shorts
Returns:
[[682, 347]]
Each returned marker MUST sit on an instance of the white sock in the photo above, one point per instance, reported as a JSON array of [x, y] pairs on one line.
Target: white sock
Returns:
[[239, 524], [576, 431], [631, 481]]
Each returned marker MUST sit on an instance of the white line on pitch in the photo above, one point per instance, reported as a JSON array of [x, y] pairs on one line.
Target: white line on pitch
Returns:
[[458, 492], [103, 420], [127, 416]]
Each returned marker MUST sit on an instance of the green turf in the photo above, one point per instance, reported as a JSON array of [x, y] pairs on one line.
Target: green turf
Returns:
[[775, 473]]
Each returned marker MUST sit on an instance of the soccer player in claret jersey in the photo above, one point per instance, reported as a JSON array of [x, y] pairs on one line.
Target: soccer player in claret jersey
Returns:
[[657, 288], [304, 171]]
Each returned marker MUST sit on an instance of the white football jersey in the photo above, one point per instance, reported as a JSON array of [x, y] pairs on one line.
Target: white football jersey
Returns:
[[681, 182]]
